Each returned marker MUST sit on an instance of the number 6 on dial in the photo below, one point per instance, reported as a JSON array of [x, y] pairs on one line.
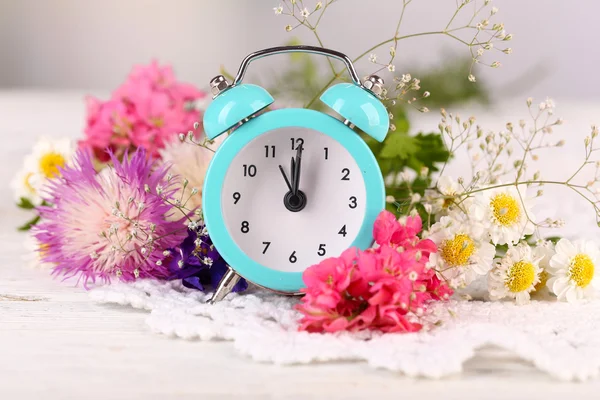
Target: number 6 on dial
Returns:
[[290, 187]]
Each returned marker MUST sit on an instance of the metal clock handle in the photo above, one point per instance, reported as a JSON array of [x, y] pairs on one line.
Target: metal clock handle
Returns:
[[296, 49]]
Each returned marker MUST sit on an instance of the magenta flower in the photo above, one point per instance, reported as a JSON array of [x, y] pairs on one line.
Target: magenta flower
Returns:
[[116, 223], [148, 110], [387, 289]]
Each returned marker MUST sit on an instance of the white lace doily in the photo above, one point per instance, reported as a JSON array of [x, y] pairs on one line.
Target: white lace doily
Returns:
[[558, 338]]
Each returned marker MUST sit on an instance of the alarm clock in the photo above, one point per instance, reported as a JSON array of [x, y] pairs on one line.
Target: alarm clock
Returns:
[[290, 187]]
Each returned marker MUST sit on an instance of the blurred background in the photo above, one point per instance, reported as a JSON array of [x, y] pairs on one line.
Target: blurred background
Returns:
[[54, 52], [91, 45]]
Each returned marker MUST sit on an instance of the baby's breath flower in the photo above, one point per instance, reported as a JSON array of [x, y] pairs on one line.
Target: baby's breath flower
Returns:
[[471, 78], [373, 57], [288, 28], [305, 13], [391, 67], [278, 10]]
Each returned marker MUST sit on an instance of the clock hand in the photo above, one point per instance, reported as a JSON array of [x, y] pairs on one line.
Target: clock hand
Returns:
[[287, 182], [296, 174]]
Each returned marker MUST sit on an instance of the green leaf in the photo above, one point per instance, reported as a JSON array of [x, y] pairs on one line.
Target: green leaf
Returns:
[[399, 144], [431, 150], [27, 226], [25, 204]]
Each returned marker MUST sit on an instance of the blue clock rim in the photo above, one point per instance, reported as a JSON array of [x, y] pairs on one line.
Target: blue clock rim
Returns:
[[289, 282]]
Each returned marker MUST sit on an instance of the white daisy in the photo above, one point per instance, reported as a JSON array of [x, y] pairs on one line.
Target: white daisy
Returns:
[[463, 251], [505, 212], [444, 198], [515, 275], [44, 162], [23, 188], [573, 270], [544, 251]]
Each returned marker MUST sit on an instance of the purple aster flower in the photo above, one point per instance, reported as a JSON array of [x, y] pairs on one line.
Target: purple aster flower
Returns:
[[115, 223], [197, 262]]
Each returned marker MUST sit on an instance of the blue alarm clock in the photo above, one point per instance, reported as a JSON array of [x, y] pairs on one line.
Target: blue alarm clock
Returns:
[[290, 187]]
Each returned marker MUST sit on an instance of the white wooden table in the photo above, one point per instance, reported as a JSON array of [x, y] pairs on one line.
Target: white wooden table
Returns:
[[57, 344]]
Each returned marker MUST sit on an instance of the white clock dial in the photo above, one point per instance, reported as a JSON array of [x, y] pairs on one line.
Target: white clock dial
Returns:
[[252, 199]]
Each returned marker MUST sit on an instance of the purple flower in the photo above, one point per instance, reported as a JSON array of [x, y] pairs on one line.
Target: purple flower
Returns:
[[197, 262], [115, 223]]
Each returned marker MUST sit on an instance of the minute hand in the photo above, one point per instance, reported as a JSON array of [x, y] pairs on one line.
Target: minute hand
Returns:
[[296, 173]]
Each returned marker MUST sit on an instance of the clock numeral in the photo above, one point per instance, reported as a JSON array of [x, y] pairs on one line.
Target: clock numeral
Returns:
[[250, 170], [343, 231], [346, 173], [236, 197], [322, 250], [353, 203], [326, 152], [245, 227], [267, 244], [297, 142], [269, 150], [293, 257]]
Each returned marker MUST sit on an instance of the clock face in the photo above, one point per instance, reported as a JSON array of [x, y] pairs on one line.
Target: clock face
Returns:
[[254, 188]]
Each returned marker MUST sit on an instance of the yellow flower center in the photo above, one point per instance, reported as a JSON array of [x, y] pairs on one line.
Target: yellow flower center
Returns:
[[505, 208], [157, 122], [27, 183], [50, 163], [582, 270], [543, 279], [447, 202], [456, 251], [520, 276]]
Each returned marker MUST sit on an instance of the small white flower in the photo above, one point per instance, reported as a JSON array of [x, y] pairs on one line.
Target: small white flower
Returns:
[[278, 10], [480, 52], [406, 78], [305, 13], [505, 212], [494, 10], [443, 199], [463, 253], [373, 57], [391, 67], [47, 157], [472, 78], [208, 261], [426, 94], [515, 275], [573, 270]]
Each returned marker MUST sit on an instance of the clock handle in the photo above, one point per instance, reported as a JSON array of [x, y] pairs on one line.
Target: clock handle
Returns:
[[229, 280], [297, 49]]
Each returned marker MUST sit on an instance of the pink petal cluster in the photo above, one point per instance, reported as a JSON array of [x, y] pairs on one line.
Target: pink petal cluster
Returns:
[[388, 288], [115, 223], [148, 110]]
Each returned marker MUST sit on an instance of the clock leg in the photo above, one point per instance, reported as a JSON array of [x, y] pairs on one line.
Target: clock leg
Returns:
[[230, 279]]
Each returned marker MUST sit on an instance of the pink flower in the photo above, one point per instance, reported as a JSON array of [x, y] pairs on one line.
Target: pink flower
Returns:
[[111, 224], [388, 230], [388, 288], [148, 110]]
